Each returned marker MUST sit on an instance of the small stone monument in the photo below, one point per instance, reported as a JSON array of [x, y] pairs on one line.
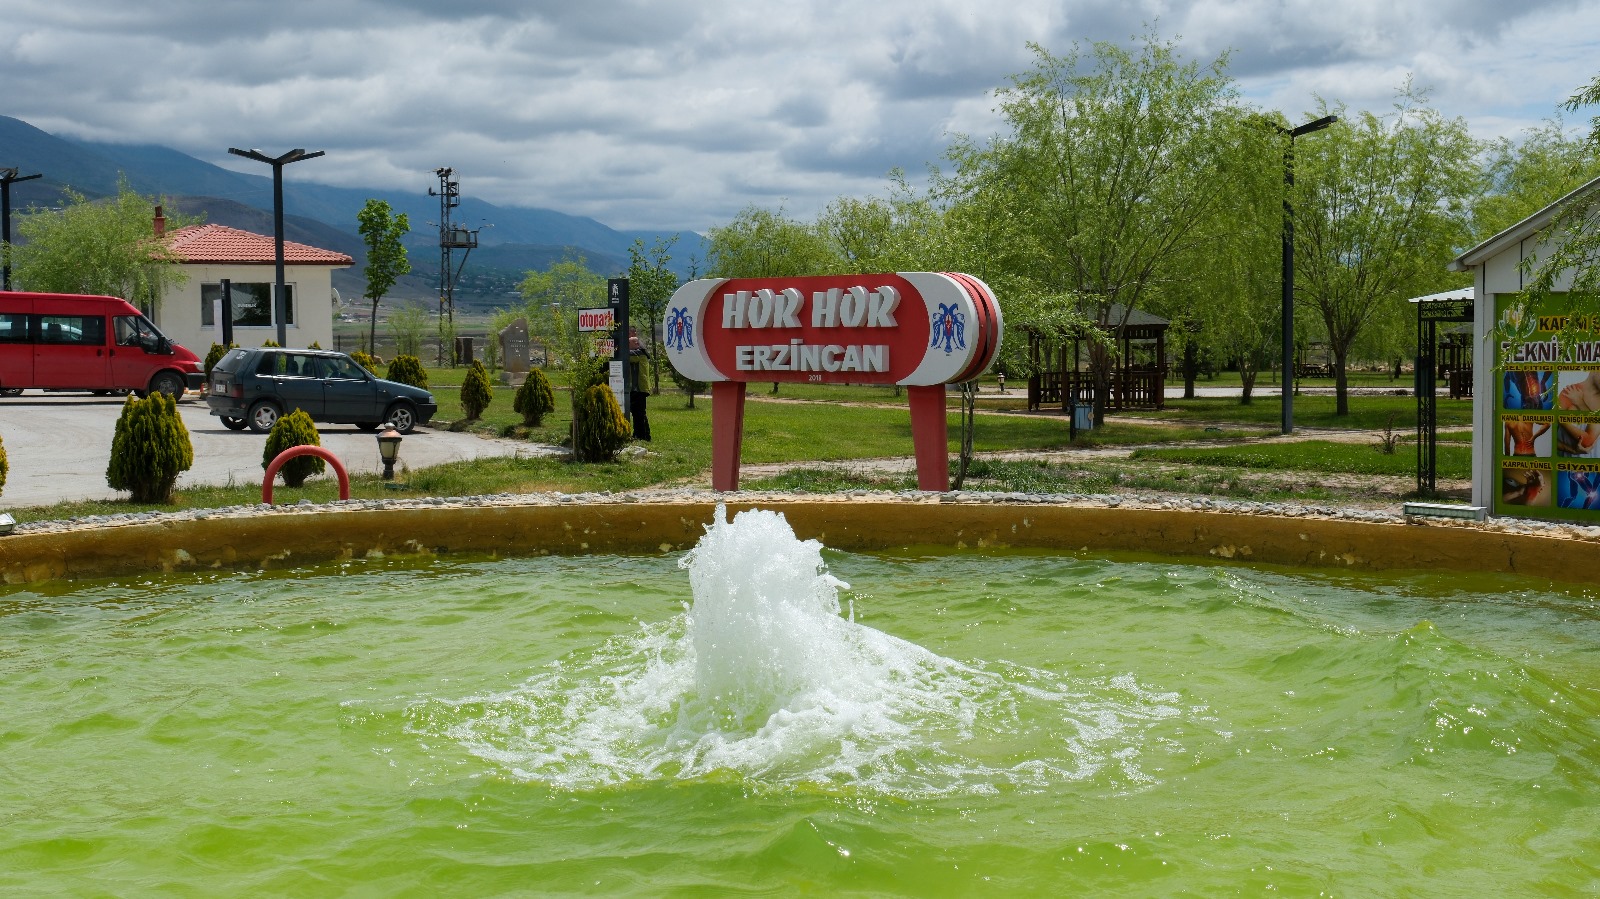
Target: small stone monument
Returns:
[[514, 352]]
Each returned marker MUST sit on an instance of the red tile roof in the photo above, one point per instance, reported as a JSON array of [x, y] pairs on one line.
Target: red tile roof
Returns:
[[219, 243]]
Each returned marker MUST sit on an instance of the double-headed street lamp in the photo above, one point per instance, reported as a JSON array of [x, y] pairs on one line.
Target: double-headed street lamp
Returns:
[[8, 177], [1288, 263], [280, 302]]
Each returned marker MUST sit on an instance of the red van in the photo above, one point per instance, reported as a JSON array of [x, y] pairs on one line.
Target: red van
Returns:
[[68, 342]]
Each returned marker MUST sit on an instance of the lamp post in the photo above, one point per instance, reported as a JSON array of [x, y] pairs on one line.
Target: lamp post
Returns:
[[8, 177], [1288, 263], [280, 302], [389, 449]]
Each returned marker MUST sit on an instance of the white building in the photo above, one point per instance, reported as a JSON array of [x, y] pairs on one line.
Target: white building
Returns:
[[214, 253], [1534, 417]]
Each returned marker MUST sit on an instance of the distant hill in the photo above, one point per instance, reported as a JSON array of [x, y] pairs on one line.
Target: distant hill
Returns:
[[521, 239]]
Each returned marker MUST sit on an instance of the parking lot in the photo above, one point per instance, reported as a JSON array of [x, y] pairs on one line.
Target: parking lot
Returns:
[[59, 444]]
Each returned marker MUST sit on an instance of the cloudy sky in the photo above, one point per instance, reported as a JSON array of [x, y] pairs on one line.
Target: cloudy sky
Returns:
[[677, 113]]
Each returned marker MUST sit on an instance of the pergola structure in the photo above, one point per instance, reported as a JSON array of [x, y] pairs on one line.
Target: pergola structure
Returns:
[[1138, 382], [1448, 357]]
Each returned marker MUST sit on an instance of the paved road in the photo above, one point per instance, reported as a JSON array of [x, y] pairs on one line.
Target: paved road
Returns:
[[58, 446]]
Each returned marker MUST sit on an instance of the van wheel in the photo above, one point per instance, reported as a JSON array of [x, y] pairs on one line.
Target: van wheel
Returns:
[[403, 416], [168, 382], [234, 424], [262, 416]]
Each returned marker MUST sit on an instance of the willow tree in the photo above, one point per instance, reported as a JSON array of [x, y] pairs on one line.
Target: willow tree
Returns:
[[1381, 207], [1110, 164], [1571, 261], [766, 243]]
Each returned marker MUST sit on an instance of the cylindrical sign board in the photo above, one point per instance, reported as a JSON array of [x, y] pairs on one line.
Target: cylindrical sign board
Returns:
[[907, 328]]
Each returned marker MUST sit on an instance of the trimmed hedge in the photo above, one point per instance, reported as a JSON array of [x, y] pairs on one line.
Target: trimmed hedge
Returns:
[[476, 393], [535, 399], [294, 429], [407, 369], [149, 449], [602, 431]]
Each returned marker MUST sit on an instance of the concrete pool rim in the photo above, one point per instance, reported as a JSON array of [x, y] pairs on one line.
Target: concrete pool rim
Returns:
[[255, 537]]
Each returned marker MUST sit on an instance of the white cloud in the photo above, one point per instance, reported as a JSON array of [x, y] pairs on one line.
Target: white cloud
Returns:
[[677, 114]]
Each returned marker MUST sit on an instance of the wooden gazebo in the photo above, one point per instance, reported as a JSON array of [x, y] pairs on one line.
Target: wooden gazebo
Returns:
[[1138, 382]]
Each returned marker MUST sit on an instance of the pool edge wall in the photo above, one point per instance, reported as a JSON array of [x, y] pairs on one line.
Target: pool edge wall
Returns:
[[276, 539]]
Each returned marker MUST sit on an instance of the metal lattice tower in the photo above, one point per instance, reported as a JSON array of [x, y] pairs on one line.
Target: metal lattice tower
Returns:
[[451, 238]]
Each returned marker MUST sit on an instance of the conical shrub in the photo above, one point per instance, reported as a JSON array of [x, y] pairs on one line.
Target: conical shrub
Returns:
[[365, 360], [602, 431], [215, 354], [476, 393], [408, 369], [149, 449], [534, 399], [294, 429], [4, 467]]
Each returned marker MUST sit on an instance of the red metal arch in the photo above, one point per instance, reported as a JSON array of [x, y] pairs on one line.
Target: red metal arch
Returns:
[[305, 450]]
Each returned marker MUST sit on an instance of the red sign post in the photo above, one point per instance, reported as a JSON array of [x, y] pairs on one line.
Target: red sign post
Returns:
[[921, 330]]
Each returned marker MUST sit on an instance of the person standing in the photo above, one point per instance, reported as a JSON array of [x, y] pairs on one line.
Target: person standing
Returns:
[[638, 395]]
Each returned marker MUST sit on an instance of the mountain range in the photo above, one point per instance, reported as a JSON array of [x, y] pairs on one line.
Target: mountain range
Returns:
[[521, 239]]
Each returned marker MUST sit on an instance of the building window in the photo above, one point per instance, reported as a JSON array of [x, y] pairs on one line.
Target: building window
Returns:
[[252, 304]]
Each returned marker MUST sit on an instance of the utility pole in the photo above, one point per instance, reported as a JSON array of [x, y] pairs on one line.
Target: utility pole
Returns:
[[8, 177], [451, 238]]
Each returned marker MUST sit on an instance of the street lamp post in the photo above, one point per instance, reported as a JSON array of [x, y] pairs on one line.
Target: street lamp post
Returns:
[[8, 177], [1288, 263], [280, 301]]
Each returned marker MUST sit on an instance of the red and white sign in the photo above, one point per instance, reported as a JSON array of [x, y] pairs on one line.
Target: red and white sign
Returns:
[[921, 330], [597, 319], [908, 328]]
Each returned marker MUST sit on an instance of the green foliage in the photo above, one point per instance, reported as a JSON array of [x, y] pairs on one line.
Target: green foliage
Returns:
[[272, 343], [553, 298], [407, 369], [315, 345], [365, 360], [1526, 175], [382, 231], [1575, 241], [98, 247], [689, 386], [650, 285], [534, 399], [764, 243], [215, 354], [149, 449], [406, 327], [476, 392], [294, 429], [601, 429], [5, 468], [1381, 207]]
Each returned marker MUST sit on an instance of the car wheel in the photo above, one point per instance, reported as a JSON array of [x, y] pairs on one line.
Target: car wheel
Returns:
[[262, 416], [11, 391], [368, 425], [234, 424], [403, 416], [168, 382]]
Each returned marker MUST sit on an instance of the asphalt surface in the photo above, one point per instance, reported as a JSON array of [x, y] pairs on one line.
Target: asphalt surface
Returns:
[[59, 444]]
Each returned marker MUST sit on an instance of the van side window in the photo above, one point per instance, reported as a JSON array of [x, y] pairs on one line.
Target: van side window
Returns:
[[13, 327], [73, 330]]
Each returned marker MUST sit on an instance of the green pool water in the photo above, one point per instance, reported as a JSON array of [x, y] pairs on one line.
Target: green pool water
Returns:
[[1021, 724]]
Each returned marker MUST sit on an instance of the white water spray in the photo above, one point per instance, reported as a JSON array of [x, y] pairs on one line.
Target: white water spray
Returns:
[[762, 676]]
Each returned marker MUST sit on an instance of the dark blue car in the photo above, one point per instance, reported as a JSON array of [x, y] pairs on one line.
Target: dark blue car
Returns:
[[253, 387]]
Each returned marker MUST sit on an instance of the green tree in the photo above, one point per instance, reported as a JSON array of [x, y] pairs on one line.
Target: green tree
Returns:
[[407, 369], [105, 247], [534, 399], [407, 324], [554, 297], [1381, 206], [1572, 260], [5, 468], [381, 229], [149, 449], [650, 285], [765, 243], [1110, 164], [476, 392], [294, 429]]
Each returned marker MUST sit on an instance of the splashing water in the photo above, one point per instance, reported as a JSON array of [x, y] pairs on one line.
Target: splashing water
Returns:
[[761, 677]]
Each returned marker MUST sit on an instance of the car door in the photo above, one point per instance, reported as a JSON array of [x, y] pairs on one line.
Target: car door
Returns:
[[70, 348], [348, 390], [297, 383]]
